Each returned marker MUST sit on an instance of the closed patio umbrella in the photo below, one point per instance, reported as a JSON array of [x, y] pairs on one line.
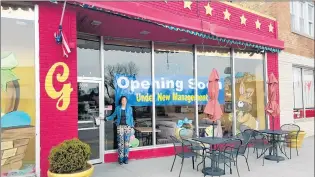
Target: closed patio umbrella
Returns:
[[213, 109], [272, 107]]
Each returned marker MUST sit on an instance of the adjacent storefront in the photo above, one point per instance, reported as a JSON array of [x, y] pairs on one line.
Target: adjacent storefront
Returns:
[[297, 73], [161, 64], [19, 122]]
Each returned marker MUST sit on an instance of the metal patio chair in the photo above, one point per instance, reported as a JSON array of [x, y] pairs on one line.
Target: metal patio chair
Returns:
[[187, 135], [254, 138], [287, 139], [226, 154], [183, 150], [261, 142], [245, 137]]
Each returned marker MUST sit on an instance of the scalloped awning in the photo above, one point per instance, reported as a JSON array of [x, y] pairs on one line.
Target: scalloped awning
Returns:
[[171, 22]]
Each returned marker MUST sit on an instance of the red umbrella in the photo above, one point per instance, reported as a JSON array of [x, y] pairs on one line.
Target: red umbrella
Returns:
[[272, 107], [213, 107]]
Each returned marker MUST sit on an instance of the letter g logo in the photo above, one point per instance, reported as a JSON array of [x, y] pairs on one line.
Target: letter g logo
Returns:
[[63, 95]]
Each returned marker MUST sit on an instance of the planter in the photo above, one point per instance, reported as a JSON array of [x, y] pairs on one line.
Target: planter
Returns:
[[85, 173], [299, 140], [14, 142]]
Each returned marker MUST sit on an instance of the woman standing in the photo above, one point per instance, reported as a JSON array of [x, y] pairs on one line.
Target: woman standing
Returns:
[[124, 123]]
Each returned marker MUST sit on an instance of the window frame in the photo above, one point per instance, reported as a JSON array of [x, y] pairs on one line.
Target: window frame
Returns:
[[308, 19], [295, 14], [195, 74], [304, 108]]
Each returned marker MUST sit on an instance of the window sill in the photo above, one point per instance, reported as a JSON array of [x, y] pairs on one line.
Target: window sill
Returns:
[[308, 119], [302, 34]]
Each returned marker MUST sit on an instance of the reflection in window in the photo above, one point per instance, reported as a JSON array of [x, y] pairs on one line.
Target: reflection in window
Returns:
[[88, 101], [249, 84], [88, 110], [174, 88], [298, 93], [88, 58], [128, 72], [219, 59], [297, 88], [303, 92], [309, 88]]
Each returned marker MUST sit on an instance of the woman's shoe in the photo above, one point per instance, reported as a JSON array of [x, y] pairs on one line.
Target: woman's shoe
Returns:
[[120, 161], [126, 160]]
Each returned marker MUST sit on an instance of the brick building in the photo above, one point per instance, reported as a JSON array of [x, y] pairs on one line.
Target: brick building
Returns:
[[137, 49], [296, 61]]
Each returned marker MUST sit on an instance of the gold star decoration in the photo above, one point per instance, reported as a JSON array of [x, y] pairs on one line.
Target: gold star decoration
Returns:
[[243, 20], [208, 9], [270, 28], [257, 24], [187, 4], [226, 15]]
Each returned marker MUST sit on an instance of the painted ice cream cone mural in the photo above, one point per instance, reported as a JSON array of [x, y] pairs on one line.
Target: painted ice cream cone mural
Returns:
[[9, 82], [16, 129]]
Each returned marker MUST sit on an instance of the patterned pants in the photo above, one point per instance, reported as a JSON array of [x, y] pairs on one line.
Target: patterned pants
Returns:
[[123, 138]]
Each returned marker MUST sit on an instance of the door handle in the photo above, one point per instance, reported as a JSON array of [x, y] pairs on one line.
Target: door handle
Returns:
[[92, 128]]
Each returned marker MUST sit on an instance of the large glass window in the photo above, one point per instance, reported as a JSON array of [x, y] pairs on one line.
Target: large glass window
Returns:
[[297, 88], [18, 110], [219, 59], [249, 86], [89, 64], [303, 92], [309, 88], [175, 94], [128, 73]]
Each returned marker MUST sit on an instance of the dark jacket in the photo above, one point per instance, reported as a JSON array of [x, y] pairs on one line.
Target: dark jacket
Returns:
[[117, 113]]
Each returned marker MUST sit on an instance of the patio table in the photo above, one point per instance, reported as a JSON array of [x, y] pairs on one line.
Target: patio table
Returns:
[[273, 152], [213, 170], [145, 130]]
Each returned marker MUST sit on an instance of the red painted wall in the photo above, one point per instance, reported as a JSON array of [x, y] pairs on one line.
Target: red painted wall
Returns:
[[272, 67], [142, 154], [55, 126], [198, 12], [174, 13]]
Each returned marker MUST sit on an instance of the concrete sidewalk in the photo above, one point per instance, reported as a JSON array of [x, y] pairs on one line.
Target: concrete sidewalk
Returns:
[[302, 165]]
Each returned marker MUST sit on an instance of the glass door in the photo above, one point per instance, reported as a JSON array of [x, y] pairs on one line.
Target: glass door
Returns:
[[90, 129]]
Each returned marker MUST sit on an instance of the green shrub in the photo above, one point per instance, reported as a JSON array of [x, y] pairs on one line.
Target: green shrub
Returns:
[[69, 157]]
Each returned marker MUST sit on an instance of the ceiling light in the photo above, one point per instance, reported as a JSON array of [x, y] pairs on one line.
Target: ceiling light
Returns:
[[96, 23], [144, 32], [183, 40]]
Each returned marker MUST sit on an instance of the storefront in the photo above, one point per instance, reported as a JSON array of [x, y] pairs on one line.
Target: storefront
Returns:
[[140, 49]]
